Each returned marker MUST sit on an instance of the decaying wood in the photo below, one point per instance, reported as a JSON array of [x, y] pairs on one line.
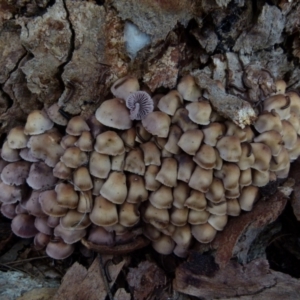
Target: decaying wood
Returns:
[[201, 277]]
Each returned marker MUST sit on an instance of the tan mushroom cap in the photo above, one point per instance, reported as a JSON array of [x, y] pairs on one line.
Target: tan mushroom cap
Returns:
[[218, 222], [16, 138], [104, 212], [109, 143], [230, 174], [129, 214], [188, 88], [142, 135], [197, 217], [128, 137], [190, 141], [75, 220], [164, 245], [173, 138], [295, 121], [15, 173], [66, 195], [280, 103], [180, 194], [245, 177], [295, 152], [199, 112], [248, 196], [118, 162], [73, 157], [170, 102], [262, 154], [157, 123], [114, 113], [229, 148], [280, 86], [76, 126], [55, 116], [186, 167], [49, 204], [294, 103], [247, 158], [169, 230], [137, 192], [234, 193], [181, 118], [178, 217], [151, 183], [196, 201], [218, 209], [201, 179], [281, 161], [68, 141], [46, 147], [37, 122], [150, 232], [289, 134], [267, 121], [114, 189], [9, 154], [25, 154], [99, 165], [215, 191], [233, 208], [182, 236], [97, 185], [61, 171], [124, 86], [134, 162], [167, 174], [85, 203], [205, 157], [260, 178], [82, 180], [58, 249], [204, 233], [213, 132], [233, 129], [151, 154], [85, 141], [159, 218], [162, 198]]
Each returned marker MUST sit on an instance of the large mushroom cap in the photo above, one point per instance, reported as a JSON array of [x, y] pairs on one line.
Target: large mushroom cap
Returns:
[[114, 113], [37, 122]]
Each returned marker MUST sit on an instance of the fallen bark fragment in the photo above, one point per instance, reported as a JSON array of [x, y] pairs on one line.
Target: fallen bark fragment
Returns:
[[201, 277], [229, 106], [145, 279], [79, 283]]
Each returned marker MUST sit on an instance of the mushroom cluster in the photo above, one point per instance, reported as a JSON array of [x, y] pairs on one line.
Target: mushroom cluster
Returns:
[[169, 164]]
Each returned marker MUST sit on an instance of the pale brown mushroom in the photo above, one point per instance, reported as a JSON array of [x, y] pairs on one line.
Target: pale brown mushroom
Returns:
[[124, 86], [82, 180], [66, 195], [204, 233], [157, 123], [167, 174], [180, 194], [201, 179], [190, 141], [109, 143], [37, 122], [162, 198], [134, 162], [188, 88], [199, 112], [76, 126], [99, 165], [170, 102], [16, 139]]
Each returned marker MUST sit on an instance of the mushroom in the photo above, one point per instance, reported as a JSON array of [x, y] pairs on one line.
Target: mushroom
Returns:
[[76, 126], [180, 194], [82, 180], [170, 102], [16, 139], [9, 154], [73, 157], [140, 105], [162, 198], [37, 122], [190, 141], [124, 86], [201, 179], [167, 174], [151, 154], [22, 225], [15, 173], [204, 233], [134, 162], [188, 88], [199, 112], [157, 123], [66, 195], [99, 165], [229, 148], [109, 143], [114, 113], [58, 249], [173, 138]]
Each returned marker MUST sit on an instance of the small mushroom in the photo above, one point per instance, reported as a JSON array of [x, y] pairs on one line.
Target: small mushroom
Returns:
[[22, 225], [124, 86], [140, 105], [157, 123], [199, 112], [37, 122], [167, 174], [99, 165], [204, 233], [201, 179], [190, 141], [16, 139], [82, 180], [73, 157], [109, 143], [66, 196], [170, 102], [76, 126], [188, 88]]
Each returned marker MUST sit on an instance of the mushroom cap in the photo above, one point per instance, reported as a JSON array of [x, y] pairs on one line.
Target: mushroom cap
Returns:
[[159, 218], [137, 192], [248, 196], [41, 240], [157, 123], [10, 193], [66, 196], [201, 179], [124, 86], [181, 118], [151, 183], [267, 121], [204, 233], [16, 138], [37, 122], [114, 189], [49, 204], [170, 102], [129, 214], [151, 154], [58, 249], [114, 113], [205, 157], [190, 141], [134, 162], [61, 171], [218, 222], [109, 143], [69, 236], [167, 174], [186, 167], [164, 245], [75, 220], [100, 236], [213, 132], [55, 116], [22, 225], [9, 210], [85, 142], [46, 147], [9, 154], [162, 198], [172, 144], [73, 157], [197, 217], [33, 205], [41, 225], [178, 216], [188, 88], [180, 194], [68, 141], [199, 112], [233, 207], [196, 201], [104, 212], [82, 179], [40, 176], [26, 154], [182, 235], [15, 173], [229, 148], [76, 126], [140, 104], [99, 165], [280, 103]]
